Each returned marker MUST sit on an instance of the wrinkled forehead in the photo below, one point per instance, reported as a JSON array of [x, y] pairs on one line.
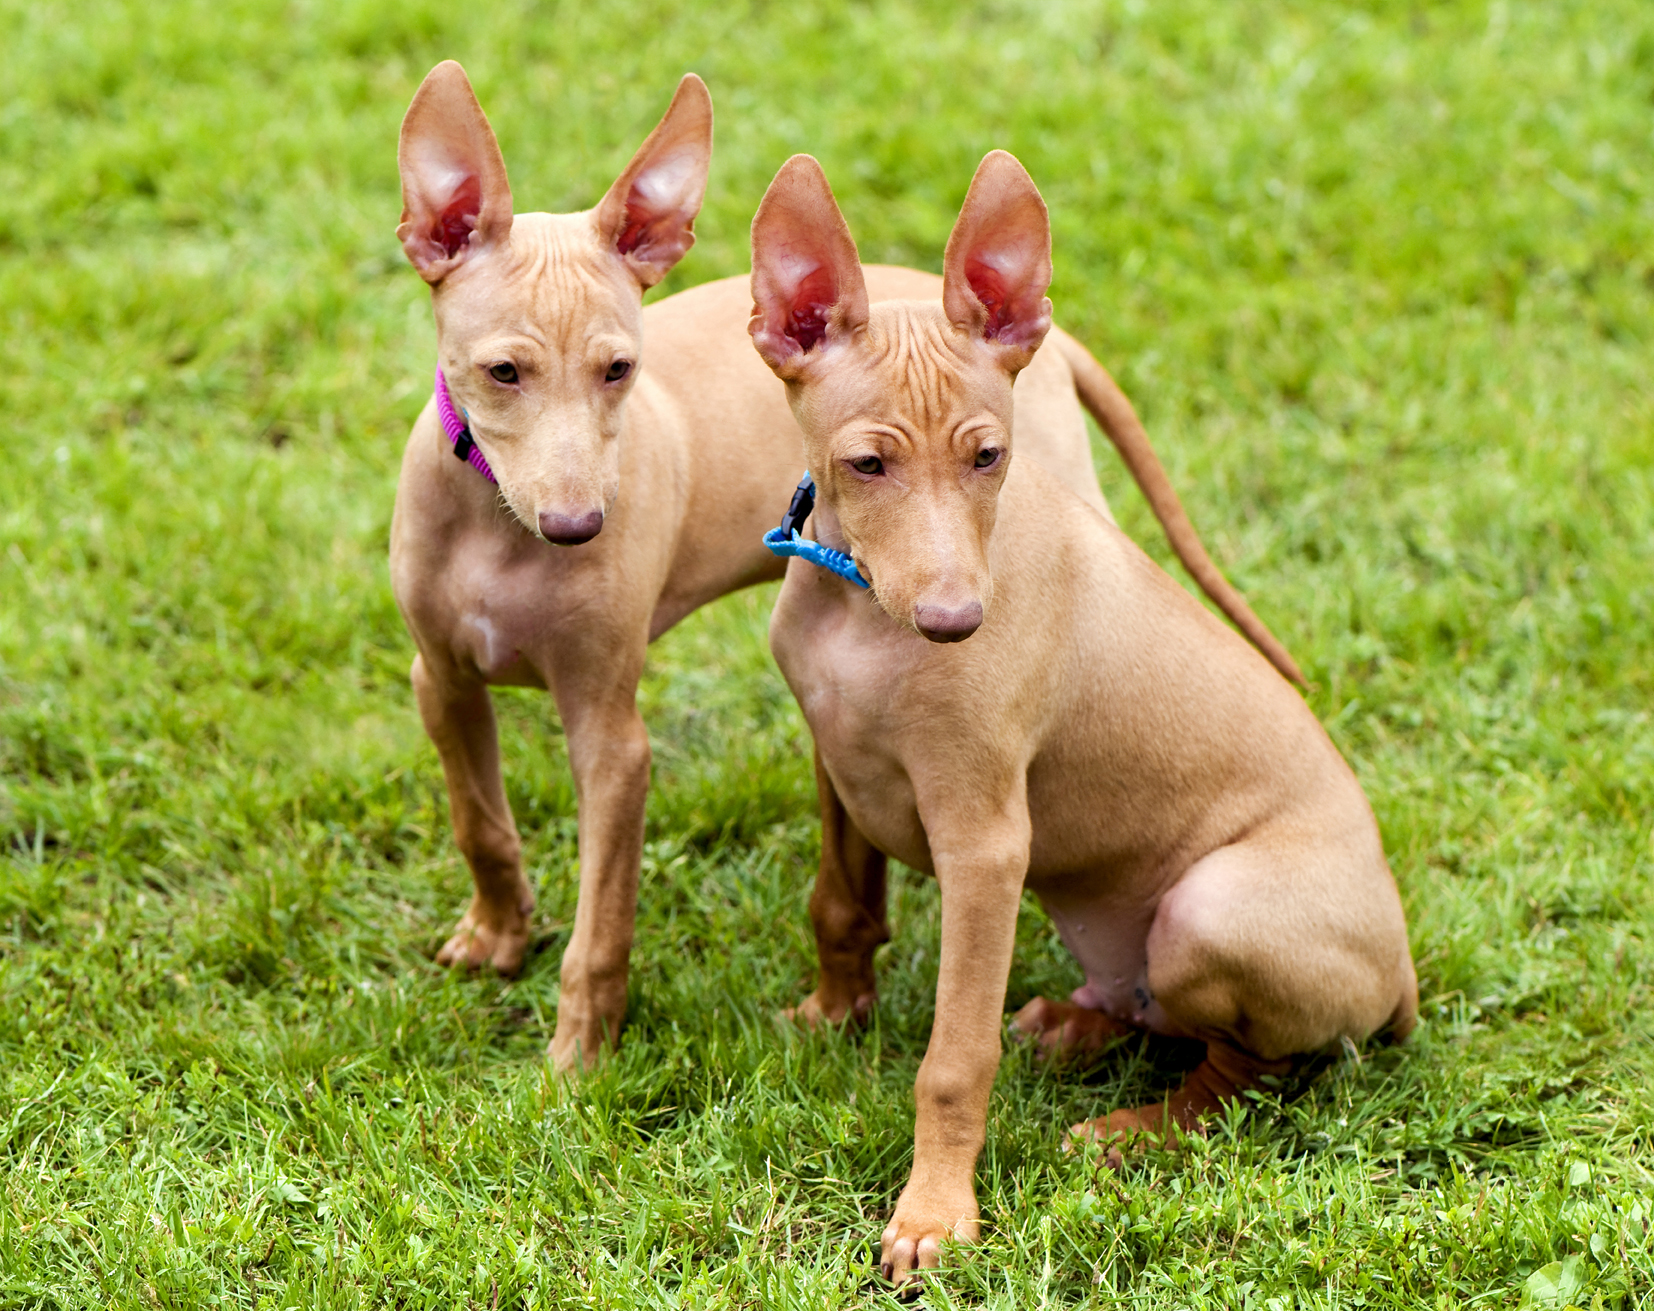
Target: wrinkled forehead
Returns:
[[913, 370], [556, 274]]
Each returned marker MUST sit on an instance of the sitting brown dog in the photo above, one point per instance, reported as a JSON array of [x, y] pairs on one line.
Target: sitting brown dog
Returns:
[[1201, 846]]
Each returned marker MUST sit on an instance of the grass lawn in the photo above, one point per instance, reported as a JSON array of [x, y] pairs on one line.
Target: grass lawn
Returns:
[[1380, 279]]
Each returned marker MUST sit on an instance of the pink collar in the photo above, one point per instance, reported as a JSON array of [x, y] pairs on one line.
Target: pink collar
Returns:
[[464, 447]]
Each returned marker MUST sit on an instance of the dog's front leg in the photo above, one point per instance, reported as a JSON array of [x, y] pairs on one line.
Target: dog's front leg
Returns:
[[980, 869], [596, 691], [459, 717], [848, 911]]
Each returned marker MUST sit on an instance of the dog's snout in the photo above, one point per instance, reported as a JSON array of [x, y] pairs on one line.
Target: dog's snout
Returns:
[[942, 623], [570, 529]]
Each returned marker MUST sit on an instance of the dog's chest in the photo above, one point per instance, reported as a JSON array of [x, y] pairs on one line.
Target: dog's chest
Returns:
[[504, 606], [875, 788], [849, 685]]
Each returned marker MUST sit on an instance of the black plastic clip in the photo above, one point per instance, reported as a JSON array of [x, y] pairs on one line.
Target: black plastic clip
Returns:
[[463, 444], [804, 503]]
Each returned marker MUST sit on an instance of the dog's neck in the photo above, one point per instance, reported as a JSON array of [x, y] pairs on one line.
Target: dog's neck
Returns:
[[825, 527], [458, 431]]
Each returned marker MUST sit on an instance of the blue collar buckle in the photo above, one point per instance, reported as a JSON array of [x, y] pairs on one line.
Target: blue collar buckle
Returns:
[[786, 540]]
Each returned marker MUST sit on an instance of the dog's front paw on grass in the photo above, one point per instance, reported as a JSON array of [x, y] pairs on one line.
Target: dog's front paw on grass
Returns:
[[583, 1038], [912, 1241], [818, 1010], [490, 935]]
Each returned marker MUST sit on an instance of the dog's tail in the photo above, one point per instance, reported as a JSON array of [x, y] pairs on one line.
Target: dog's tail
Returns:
[[1107, 404]]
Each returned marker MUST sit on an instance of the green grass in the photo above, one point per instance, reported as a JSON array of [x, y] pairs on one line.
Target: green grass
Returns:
[[1381, 280]]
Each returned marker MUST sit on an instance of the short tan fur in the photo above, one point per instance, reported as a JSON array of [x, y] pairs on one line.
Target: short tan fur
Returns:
[[1076, 723]]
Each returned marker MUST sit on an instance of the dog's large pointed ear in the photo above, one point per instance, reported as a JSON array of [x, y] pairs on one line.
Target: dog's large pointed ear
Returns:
[[456, 202], [648, 216], [808, 293], [998, 263]]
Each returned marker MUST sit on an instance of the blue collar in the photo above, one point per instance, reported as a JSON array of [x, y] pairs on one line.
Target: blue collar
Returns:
[[785, 540]]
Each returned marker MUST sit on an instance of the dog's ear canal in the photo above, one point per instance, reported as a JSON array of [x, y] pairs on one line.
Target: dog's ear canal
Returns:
[[456, 202], [648, 215], [807, 286], [998, 263]]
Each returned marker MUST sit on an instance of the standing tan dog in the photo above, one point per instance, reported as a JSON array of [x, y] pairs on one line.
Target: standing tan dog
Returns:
[[655, 483], [1203, 849]]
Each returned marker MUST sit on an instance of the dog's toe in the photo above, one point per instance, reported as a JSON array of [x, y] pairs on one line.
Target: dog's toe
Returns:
[[812, 1013], [1123, 1132], [1064, 1030], [475, 943]]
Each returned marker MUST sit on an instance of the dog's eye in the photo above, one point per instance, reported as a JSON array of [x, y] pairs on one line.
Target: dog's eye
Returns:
[[506, 373], [987, 457], [618, 370], [868, 464]]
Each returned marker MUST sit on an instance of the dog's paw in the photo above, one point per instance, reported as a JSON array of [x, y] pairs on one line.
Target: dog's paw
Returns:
[[488, 935], [1123, 1133], [912, 1241], [815, 1011], [580, 1042], [1064, 1030]]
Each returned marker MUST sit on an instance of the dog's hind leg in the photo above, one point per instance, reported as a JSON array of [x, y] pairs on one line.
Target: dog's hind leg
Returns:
[[595, 684], [1272, 948], [848, 911], [459, 717], [1223, 1077]]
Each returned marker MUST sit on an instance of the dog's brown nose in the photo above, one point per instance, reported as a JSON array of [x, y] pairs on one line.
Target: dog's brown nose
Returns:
[[570, 529], [941, 624]]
